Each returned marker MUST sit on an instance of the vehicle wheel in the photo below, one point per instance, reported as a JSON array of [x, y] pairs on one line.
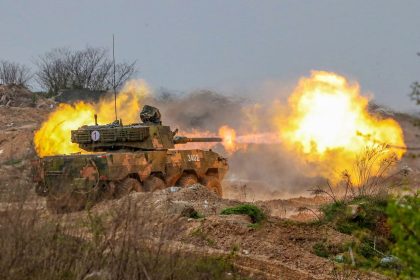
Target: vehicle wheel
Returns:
[[187, 180], [213, 184], [107, 191], [154, 183], [128, 185]]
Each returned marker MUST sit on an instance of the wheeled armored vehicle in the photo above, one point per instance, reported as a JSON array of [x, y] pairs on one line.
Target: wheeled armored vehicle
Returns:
[[118, 159]]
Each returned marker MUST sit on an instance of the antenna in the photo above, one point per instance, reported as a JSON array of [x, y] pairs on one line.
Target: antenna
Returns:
[[113, 80]]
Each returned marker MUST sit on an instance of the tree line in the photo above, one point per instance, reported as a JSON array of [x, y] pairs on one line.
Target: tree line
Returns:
[[89, 68], [63, 68]]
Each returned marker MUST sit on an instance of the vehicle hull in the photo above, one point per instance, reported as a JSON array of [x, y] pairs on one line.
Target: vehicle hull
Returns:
[[90, 176]]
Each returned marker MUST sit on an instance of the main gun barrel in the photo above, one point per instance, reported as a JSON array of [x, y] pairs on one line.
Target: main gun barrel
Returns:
[[184, 140]]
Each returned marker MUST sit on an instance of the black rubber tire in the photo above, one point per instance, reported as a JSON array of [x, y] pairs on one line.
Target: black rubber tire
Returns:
[[187, 180], [154, 183], [213, 184], [126, 186], [107, 191]]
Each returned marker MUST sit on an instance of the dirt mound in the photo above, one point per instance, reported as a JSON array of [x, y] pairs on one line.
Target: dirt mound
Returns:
[[202, 199], [277, 241], [17, 126], [20, 96], [16, 96], [289, 208], [173, 200]]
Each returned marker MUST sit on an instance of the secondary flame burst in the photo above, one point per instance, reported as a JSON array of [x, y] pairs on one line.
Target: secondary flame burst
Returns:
[[329, 113], [53, 137], [329, 124]]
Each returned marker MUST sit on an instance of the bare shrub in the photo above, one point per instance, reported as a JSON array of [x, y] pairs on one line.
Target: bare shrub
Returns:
[[133, 239], [14, 73], [90, 68], [53, 70], [303, 209], [345, 273], [373, 175]]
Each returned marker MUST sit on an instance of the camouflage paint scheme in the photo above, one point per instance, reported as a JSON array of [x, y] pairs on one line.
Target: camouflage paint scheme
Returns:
[[137, 157], [87, 172]]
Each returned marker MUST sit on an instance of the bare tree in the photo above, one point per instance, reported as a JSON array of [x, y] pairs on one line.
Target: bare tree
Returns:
[[415, 90], [53, 70], [14, 73], [123, 72], [90, 68]]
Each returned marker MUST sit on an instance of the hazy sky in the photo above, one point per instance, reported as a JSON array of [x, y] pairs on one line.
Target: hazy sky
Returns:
[[231, 46]]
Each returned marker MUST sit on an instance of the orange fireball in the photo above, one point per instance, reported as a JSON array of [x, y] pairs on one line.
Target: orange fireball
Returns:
[[228, 135], [329, 124], [53, 138]]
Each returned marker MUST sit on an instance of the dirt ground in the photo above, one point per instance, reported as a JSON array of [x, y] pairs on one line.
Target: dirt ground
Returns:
[[277, 249], [281, 248]]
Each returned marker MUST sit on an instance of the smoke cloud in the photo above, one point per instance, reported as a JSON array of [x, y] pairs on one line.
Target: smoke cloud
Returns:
[[280, 148], [266, 169]]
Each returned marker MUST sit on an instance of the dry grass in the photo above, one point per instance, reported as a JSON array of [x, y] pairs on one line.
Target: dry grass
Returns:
[[374, 174], [131, 241]]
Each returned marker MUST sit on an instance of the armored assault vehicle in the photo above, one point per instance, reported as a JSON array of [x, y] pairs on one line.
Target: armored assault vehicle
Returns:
[[123, 158]]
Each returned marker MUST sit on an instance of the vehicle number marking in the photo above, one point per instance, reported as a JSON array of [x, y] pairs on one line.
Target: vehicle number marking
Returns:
[[193, 158], [95, 135]]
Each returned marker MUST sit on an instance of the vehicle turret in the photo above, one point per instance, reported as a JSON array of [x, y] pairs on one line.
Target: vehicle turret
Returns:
[[148, 135]]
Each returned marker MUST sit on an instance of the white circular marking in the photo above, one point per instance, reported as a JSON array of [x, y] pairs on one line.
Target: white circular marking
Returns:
[[95, 135]]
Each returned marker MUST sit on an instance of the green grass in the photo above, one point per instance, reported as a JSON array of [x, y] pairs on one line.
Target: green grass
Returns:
[[255, 213], [370, 215], [404, 217], [320, 249], [326, 250], [367, 221]]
